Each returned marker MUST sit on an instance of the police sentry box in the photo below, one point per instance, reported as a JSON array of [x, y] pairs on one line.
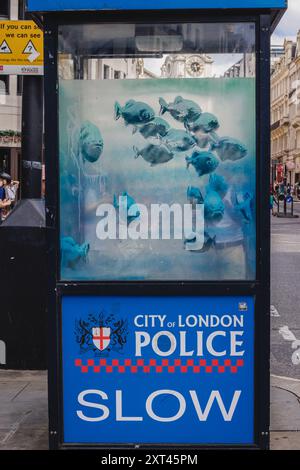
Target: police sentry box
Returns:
[[157, 162]]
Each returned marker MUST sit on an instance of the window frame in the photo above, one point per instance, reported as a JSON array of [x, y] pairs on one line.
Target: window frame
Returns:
[[7, 8]]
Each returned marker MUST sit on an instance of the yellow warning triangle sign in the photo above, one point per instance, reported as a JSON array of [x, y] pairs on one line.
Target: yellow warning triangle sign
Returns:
[[4, 48], [29, 48]]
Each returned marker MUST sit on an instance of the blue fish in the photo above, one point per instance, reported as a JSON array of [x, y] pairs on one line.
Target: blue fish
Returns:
[[217, 183], [178, 140], [194, 194], [154, 154], [90, 141], [127, 205], [182, 110], [156, 128], [207, 122], [203, 140], [72, 252], [134, 112], [244, 208], [213, 207], [203, 162], [228, 148]]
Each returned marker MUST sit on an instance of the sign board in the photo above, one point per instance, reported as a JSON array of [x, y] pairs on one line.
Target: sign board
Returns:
[[59, 5], [21, 48], [158, 370]]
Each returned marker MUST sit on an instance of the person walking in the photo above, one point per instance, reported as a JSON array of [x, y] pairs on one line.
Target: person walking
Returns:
[[272, 202], [10, 188], [4, 202]]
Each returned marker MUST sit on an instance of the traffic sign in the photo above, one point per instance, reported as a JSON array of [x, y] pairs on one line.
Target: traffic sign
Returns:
[[172, 376], [21, 48], [4, 48]]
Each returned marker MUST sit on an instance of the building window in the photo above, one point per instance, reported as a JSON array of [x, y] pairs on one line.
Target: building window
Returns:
[[4, 84], [4, 8], [21, 10], [106, 72], [117, 74], [5, 160], [19, 85]]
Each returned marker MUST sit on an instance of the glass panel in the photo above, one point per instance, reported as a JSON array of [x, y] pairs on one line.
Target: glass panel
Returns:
[[157, 151]]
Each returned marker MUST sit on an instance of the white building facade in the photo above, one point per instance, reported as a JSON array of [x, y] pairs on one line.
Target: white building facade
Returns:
[[187, 66], [285, 114]]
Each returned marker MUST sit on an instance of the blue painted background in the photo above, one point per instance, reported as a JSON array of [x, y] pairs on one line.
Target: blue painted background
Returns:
[[55, 5], [137, 387]]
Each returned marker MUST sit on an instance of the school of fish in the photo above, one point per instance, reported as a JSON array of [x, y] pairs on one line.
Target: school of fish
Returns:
[[198, 145]]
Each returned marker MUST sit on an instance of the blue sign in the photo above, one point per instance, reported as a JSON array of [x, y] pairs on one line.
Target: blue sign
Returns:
[[158, 370], [59, 5], [289, 199]]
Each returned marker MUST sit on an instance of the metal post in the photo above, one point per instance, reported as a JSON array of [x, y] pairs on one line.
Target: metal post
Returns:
[[32, 137], [284, 206]]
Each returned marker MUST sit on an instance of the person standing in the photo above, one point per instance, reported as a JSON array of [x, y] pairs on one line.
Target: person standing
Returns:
[[4, 203], [11, 187], [272, 202]]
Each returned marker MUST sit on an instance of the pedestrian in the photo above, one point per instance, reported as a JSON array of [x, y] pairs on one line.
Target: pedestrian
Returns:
[[11, 187], [272, 202], [2, 190], [4, 203]]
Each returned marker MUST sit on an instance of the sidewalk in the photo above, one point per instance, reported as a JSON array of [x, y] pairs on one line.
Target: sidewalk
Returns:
[[23, 410], [24, 414], [285, 413]]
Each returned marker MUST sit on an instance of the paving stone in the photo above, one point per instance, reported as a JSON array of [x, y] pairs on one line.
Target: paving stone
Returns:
[[285, 441], [10, 389], [27, 439]]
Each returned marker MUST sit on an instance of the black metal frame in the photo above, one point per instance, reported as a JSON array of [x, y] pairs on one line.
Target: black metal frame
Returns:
[[259, 289]]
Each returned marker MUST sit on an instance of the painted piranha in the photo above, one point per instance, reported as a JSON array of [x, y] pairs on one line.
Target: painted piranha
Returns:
[[244, 207], [178, 140], [203, 140], [72, 252], [182, 110], [206, 123], [90, 141], [194, 194], [127, 206], [134, 112], [156, 128], [228, 148], [213, 207], [218, 184], [154, 154], [203, 162]]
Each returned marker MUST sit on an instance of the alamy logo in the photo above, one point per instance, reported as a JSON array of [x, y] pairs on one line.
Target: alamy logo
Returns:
[[101, 333], [125, 219]]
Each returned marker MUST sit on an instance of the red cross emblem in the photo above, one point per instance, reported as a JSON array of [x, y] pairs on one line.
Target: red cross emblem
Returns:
[[101, 337]]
